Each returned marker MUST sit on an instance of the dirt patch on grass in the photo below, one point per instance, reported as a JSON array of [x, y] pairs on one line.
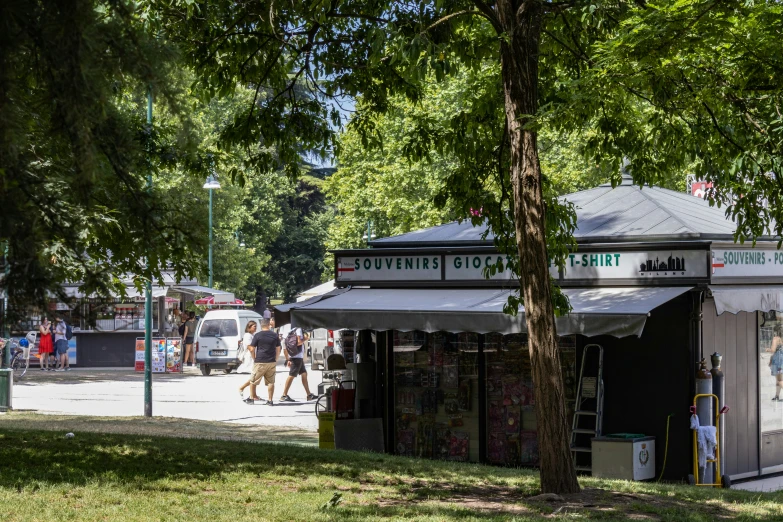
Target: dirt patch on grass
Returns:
[[590, 503]]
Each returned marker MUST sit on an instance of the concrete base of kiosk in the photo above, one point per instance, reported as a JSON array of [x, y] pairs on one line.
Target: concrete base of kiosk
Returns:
[[359, 435]]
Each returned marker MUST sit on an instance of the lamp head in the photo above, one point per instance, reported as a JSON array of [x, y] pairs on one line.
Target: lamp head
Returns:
[[212, 182]]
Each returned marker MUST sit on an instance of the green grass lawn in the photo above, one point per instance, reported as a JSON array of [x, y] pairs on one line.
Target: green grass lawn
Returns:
[[118, 477]]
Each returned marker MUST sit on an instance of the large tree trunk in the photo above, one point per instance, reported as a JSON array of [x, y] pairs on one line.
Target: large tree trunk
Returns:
[[521, 23]]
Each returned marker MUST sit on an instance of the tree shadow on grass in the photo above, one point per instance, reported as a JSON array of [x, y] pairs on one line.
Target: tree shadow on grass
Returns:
[[158, 427], [452, 490]]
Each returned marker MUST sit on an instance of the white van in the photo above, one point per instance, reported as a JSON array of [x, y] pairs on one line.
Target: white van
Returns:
[[218, 336], [324, 343]]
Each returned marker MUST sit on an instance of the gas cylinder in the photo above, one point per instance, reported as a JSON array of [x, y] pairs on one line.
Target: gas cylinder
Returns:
[[719, 389], [704, 411]]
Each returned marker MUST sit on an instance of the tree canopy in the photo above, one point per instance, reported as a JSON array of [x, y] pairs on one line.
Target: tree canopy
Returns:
[[75, 151], [664, 84]]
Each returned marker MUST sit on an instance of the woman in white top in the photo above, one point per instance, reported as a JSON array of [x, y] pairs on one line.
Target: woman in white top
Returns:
[[247, 357]]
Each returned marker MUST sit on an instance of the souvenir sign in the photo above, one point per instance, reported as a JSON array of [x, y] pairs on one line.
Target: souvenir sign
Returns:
[[389, 268], [661, 264], [746, 262]]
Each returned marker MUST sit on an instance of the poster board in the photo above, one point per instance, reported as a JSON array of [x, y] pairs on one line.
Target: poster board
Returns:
[[173, 355], [158, 355], [139, 366], [72, 351]]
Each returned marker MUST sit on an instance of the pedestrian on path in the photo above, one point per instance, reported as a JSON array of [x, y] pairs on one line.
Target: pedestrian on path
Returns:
[[45, 344], [247, 355], [776, 361], [61, 344], [187, 338], [266, 347], [295, 361]]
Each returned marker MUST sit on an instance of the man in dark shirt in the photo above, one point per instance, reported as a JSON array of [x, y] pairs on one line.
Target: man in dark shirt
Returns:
[[265, 347]]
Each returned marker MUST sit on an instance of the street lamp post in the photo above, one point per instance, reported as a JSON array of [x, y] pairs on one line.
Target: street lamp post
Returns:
[[148, 299], [370, 235], [211, 184]]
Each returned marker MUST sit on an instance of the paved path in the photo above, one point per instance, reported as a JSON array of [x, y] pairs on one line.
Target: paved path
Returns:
[[761, 485], [120, 392]]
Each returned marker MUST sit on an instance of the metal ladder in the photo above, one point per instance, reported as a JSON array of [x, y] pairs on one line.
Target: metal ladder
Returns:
[[588, 409]]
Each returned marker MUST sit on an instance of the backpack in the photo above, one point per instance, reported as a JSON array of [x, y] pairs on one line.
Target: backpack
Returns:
[[182, 329], [68, 331], [292, 343]]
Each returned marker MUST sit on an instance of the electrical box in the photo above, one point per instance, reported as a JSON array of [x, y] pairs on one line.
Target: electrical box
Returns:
[[623, 457], [6, 389]]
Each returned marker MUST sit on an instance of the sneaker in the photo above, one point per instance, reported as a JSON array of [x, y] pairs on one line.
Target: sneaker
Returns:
[[249, 400], [269, 403], [311, 397], [67, 368], [286, 398]]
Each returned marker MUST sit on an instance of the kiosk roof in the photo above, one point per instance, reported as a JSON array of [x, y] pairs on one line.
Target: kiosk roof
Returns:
[[624, 213]]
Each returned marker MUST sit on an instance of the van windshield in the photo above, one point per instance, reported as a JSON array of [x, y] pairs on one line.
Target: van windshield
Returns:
[[219, 328]]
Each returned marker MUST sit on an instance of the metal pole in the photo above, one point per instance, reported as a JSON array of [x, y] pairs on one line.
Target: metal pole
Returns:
[[719, 389], [148, 301], [6, 330], [210, 238]]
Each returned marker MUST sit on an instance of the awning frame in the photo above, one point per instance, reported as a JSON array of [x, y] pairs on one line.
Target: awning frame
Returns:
[[221, 296], [481, 312], [746, 298]]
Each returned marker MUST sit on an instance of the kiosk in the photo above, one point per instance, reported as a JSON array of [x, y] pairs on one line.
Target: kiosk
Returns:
[[656, 280]]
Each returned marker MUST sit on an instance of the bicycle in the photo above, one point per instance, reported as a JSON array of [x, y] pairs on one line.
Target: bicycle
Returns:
[[20, 360]]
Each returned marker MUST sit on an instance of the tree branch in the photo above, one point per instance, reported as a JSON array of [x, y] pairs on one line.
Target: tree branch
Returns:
[[454, 15], [578, 55], [551, 7], [489, 14], [359, 16]]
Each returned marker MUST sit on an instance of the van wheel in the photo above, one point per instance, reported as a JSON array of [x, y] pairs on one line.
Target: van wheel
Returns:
[[227, 370], [205, 370]]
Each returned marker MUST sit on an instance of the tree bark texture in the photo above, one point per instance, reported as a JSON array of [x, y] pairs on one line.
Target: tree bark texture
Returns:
[[521, 24]]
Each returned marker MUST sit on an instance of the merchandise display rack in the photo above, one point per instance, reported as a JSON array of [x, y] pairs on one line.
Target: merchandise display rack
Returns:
[[436, 396]]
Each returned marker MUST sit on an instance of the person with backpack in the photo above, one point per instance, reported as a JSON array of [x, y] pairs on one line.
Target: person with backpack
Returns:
[[61, 337], [295, 361]]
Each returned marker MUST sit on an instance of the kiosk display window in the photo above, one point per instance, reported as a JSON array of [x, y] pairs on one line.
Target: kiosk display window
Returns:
[[436, 402], [436, 383], [511, 419], [771, 371]]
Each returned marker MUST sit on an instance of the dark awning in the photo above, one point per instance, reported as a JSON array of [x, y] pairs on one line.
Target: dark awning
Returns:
[[596, 311]]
